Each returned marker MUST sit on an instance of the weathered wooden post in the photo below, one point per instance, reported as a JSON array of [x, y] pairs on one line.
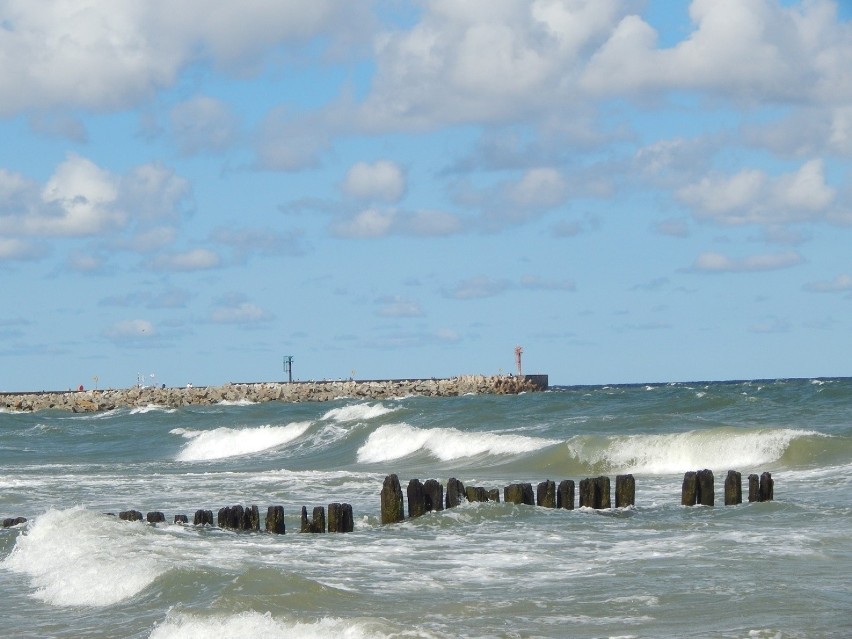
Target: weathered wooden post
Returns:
[[545, 494], [433, 495], [494, 495], [391, 500], [625, 491], [13, 521], [416, 499], [753, 488], [455, 492], [130, 515], [251, 518], [689, 490], [155, 517], [275, 520], [181, 519], [476, 494], [733, 488], [519, 494], [565, 494], [340, 518], [767, 487], [595, 492], [706, 489], [203, 517], [317, 523]]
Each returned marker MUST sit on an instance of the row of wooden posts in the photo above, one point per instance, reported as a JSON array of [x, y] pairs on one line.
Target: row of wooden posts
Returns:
[[594, 492], [247, 518]]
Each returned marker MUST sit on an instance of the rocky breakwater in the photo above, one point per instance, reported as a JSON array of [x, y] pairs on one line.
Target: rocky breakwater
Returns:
[[311, 391]]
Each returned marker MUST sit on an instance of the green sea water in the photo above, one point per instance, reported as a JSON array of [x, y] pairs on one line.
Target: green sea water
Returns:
[[778, 569]]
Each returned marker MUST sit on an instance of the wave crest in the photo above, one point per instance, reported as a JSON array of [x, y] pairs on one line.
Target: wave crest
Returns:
[[220, 443]]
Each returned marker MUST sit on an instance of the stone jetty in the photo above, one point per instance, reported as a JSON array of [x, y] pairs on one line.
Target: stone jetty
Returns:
[[310, 391]]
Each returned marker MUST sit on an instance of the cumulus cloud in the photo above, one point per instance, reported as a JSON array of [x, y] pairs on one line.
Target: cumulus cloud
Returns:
[[81, 199], [752, 196], [376, 222], [108, 54], [719, 263], [382, 180], [15, 249]]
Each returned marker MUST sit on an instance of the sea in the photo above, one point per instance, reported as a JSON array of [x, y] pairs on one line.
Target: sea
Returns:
[[770, 570]]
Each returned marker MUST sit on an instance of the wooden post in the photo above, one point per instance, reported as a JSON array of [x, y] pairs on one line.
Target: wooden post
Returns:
[[130, 515], [565, 494], [753, 488], [416, 499], [455, 492], [181, 519], [476, 494], [733, 488], [340, 518], [251, 518], [391, 500], [318, 521], [275, 520], [519, 494], [433, 495], [494, 495], [767, 487], [595, 492], [155, 517], [203, 517], [625, 491], [689, 490], [706, 488], [545, 494]]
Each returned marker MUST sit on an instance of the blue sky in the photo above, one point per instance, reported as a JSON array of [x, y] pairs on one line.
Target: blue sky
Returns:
[[631, 191]]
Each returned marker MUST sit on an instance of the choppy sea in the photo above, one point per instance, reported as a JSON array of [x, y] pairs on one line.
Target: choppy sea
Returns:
[[779, 569]]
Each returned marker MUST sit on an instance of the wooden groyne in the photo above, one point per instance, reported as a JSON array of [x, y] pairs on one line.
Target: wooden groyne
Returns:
[[310, 391], [431, 496]]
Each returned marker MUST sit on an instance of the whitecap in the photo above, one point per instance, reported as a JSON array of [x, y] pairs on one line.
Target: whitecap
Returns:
[[220, 443], [357, 412], [394, 441]]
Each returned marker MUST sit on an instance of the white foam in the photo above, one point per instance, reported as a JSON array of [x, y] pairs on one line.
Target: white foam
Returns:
[[220, 443], [149, 408], [716, 449], [78, 558], [256, 624], [394, 441], [357, 412], [236, 402]]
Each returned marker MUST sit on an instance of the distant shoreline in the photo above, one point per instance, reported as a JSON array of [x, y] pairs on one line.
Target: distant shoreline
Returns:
[[90, 401]]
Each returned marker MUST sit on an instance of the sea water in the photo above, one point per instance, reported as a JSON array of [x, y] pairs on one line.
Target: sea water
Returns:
[[778, 569]]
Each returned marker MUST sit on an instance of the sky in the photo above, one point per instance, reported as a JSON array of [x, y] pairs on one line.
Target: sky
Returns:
[[631, 191]]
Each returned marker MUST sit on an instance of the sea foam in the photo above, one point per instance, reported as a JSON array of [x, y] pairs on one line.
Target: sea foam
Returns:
[[78, 558], [220, 443], [357, 412], [717, 449], [256, 624], [394, 441]]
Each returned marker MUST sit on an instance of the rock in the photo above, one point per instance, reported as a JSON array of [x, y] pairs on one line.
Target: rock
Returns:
[[565, 494], [733, 488], [455, 493], [625, 491], [546, 494], [340, 518], [391, 500]]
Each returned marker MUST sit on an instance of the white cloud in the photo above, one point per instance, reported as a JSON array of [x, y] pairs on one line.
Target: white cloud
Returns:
[[12, 248], [236, 309], [753, 197], [839, 284], [193, 260], [398, 307], [202, 124], [130, 330], [368, 223], [108, 54], [382, 180], [375, 222], [541, 188], [479, 287], [82, 199], [719, 263]]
